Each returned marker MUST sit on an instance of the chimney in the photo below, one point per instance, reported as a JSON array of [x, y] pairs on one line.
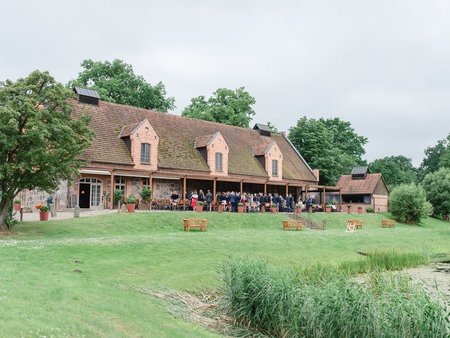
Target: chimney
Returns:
[[88, 96], [316, 173]]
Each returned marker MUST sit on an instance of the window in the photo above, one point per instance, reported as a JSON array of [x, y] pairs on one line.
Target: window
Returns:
[[146, 182], [120, 183], [219, 161], [274, 167], [145, 153]]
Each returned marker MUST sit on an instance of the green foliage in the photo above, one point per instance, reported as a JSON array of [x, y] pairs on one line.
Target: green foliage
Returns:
[[39, 141], [396, 170], [285, 303], [43, 208], [370, 210], [240, 204], [199, 203], [232, 107], [116, 82], [330, 145], [408, 203], [146, 194], [131, 199], [437, 188], [273, 129], [436, 157], [118, 196], [17, 201]]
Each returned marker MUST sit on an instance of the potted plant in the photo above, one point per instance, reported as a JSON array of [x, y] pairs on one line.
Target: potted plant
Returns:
[[328, 208], [241, 207], [118, 197], [199, 206], [262, 208], [273, 208], [17, 205], [146, 195], [360, 210], [131, 203], [298, 208], [370, 209], [219, 207], [43, 212]]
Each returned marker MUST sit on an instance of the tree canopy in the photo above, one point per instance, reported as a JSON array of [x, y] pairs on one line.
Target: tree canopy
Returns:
[[437, 156], [116, 82], [408, 203], [232, 107], [396, 170], [39, 141], [330, 145], [437, 188]]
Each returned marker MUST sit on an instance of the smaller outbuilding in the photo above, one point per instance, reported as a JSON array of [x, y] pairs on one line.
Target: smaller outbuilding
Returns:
[[362, 189]]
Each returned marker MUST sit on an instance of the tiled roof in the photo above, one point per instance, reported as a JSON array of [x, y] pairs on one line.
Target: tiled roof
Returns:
[[202, 141], [365, 186], [177, 137], [128, 130], [261, 148]]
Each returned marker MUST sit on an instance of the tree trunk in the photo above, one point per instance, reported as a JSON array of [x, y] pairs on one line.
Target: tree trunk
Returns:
[[4, 216]]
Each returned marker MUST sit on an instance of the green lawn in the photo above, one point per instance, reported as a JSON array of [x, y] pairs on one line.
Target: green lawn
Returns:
[[42, 295]]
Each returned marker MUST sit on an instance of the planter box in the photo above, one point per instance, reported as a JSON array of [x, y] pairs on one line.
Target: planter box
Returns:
[[131, 207], [17, 206], [262, 208], [43, 215], [220, 207], [241, 208], [199, 208], [327, 210], [273, 210]]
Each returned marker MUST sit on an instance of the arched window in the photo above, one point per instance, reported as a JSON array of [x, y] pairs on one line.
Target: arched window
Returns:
[[218, 158]]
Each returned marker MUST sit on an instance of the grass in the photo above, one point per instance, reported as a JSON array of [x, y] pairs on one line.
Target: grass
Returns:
[[42, 295]]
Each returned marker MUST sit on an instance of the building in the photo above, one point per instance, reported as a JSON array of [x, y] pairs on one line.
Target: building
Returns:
[[363, 189], [135, 147]]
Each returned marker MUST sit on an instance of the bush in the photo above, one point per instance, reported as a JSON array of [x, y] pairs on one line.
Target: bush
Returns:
[[408, 203], [118, 196], [437, 189], [280, 303], [370, 210], [131, 199], [43, 208], [146, 194], [240, 204], [199, 203]]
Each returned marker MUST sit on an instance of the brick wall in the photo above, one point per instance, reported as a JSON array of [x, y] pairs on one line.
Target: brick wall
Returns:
[[274, 154], [144, 134]]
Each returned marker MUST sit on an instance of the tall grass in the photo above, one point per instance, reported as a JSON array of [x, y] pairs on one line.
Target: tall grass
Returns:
[[284, 303]]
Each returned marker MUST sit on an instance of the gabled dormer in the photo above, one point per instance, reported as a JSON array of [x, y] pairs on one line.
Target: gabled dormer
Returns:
[[269, 155], [214, 150], [142, 142]]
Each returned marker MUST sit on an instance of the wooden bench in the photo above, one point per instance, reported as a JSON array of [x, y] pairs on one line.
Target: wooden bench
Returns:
[[387, 223], [195, 223], [292, 224], [358, 223]]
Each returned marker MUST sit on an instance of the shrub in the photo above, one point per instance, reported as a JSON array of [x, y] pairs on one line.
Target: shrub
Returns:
[[118, 196], [370, 210], [283, 303], [131, 199], [408, 203], [43, 208], [199, 203], [146, 194], [17, 202], [240, 204], [437, 189]]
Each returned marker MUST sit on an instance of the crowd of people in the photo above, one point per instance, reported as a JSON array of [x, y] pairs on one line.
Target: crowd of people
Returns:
[[253, 202]]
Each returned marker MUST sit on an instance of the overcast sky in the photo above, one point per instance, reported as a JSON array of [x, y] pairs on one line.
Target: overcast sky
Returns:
[[382, 65]]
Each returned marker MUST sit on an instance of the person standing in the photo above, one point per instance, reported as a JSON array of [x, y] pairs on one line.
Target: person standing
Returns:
[[209, 198]]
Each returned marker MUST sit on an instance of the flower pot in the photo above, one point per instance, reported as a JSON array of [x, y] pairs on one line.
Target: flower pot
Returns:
[[360, 210], [43, 215], [327, 210], [199, 208], [220, 207], [298, 210], [241, 208], [273, 210], [262, 208], [131, 207], [17, 206]]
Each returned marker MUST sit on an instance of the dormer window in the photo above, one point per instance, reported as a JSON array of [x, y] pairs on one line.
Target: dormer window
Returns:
[[145, 153], [275, 168], [219, 161]]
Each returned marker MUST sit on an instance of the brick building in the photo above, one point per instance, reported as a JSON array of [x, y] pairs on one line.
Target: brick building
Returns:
[[136, 147]]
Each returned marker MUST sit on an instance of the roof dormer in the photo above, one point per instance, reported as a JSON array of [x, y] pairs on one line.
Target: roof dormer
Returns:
[[142, 142], [269, 155], [214, 150]]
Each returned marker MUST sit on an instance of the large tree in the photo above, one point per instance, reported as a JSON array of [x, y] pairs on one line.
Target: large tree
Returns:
[[232, 107], [330, 145], [437, 188], [396, 170], [39, 141], [437, 156], [116, 82]]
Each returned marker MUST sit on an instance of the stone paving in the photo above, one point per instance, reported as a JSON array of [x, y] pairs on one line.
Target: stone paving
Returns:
[[34, 216]]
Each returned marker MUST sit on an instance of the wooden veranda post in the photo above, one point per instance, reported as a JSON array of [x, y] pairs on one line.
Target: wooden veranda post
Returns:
[[287, 189], [242, 187], [214, 190], [265, 188], [184, 190], [340, 200], [324, 198], [111, 192]]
